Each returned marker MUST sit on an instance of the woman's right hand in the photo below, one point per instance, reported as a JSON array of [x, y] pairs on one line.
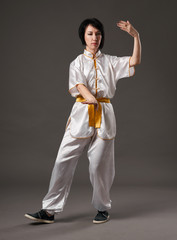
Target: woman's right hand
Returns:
[[92, 101]]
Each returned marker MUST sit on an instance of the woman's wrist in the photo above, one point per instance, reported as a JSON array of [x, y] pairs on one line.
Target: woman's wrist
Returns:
[[136, 35], [86, 93]]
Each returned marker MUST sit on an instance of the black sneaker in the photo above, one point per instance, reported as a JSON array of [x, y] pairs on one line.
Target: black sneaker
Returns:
[[101, 217], [40, 216]]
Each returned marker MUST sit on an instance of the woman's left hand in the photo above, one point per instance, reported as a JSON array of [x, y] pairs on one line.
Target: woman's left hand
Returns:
[[127, 27]]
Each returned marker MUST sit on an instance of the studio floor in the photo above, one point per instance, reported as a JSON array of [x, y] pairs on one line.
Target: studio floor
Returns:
[[138, 213]]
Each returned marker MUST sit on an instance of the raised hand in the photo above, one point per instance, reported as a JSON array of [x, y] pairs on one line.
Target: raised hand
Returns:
[[127, 27]]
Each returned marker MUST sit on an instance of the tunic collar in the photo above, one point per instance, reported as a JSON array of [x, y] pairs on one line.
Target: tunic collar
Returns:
[[91, 55]]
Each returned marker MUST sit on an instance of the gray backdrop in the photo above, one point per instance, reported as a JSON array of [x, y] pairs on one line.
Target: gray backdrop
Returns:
[[38, 41]]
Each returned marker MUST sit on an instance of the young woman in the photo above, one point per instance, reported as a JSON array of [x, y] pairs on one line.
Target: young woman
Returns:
[[92, 81]]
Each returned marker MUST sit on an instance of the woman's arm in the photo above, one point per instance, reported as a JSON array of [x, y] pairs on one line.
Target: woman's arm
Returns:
[[136, 56], [90, 99]]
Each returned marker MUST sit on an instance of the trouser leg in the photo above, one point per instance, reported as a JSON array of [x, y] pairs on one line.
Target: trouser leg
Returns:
[[68, 154], [102, 171]]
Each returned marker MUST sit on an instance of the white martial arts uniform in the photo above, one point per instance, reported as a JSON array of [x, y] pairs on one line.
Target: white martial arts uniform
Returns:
[[99, 74]]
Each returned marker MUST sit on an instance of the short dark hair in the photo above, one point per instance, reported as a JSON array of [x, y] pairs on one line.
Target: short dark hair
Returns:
[[95, 23]]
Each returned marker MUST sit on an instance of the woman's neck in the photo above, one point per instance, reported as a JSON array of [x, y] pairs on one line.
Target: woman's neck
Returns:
[[92, 51]]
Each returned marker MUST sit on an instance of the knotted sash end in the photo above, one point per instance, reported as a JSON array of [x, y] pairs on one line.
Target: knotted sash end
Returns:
[[94, 115]]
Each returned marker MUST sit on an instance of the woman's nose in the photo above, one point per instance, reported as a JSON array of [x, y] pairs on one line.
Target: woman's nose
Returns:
[[94, 36]]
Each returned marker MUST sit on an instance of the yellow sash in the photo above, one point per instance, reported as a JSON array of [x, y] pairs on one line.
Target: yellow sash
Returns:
[[94, 115]]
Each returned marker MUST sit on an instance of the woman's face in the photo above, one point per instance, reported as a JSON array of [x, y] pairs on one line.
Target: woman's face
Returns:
[[92, 38]]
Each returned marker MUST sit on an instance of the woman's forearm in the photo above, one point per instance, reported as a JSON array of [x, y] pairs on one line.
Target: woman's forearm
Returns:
[[136, 56], [85, 93]]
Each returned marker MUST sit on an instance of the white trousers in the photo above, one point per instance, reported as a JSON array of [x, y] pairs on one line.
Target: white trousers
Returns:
[[101, 169]]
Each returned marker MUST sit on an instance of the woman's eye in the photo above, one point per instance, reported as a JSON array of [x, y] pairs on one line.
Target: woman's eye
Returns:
[[97, 34]]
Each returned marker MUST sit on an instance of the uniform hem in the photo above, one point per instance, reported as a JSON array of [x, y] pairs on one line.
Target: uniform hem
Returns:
[[53, 211], [80, 137], [91, 136], [104, 138], [68, 122]]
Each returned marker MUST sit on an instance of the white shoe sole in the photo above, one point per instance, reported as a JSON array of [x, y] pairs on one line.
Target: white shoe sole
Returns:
[[38, 220], [94, 221]]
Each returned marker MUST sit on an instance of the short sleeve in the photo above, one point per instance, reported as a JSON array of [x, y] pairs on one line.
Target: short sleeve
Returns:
[[121, 67], [75, 77]]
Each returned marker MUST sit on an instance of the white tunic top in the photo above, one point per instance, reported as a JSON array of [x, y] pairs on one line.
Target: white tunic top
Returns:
[[100, 76]]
